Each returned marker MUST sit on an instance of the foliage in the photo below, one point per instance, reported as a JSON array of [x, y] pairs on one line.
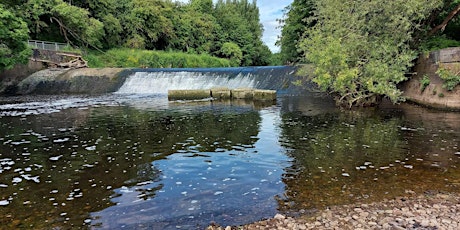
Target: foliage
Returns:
[[297, 18], [437, 43], [196, 27], [232, 51], [437, 17], [451, 80], [424, 82], [195, 31], [276, 59], [239, 23], [152, 59], [13, 39], [360, 49]]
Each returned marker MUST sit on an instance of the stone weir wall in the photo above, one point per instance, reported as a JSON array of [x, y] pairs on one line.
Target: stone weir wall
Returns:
[[73, 81], [426, 87], [106, 80]]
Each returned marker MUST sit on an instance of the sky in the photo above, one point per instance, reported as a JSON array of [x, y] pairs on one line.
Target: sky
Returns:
[[269, 10]]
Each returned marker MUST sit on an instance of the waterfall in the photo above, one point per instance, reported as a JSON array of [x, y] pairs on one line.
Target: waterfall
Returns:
[[159, 81]]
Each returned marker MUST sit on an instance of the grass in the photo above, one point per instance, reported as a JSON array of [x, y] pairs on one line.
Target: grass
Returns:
[[133, 58]]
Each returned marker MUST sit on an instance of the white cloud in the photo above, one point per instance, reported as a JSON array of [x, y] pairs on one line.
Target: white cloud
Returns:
[[269, 10]]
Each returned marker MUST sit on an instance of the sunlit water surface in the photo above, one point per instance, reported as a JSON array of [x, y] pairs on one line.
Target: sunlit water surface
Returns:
[[141, 162]]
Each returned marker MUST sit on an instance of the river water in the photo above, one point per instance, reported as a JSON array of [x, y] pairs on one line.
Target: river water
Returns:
[[140, 162]]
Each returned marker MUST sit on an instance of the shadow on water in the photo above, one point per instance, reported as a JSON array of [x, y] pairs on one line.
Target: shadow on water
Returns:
[[145, 163]]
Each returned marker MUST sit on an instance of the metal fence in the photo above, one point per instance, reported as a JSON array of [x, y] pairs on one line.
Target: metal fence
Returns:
[[47, 45]]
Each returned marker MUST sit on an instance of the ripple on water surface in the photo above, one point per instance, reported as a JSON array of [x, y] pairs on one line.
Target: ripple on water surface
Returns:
[[146, 164]]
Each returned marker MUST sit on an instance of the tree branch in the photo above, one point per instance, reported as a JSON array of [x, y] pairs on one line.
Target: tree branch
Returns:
[[443, 25]]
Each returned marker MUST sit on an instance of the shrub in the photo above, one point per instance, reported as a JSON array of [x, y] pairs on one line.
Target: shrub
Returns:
[[425, 82], [153, 59], [451, 80]]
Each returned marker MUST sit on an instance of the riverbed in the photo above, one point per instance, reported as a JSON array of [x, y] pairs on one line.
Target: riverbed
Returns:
[[143, 162]]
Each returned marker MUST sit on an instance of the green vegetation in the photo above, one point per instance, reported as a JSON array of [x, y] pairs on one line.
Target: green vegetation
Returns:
[[437, 43], [362, 56], [424, 82], [153, 59], [298, 17], [451, 80], [13, 35], [197, 27], [361, 50]]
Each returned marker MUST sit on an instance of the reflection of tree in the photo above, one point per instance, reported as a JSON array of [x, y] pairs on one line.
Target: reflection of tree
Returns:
[[327, 147], [115, 147]]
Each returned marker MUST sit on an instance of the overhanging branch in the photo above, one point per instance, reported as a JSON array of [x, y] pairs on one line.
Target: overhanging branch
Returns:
[[443, 25]]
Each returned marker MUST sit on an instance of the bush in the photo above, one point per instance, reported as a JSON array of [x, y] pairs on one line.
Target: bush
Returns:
[[126, 58], [437, 43], [425, 82], [451, 80]]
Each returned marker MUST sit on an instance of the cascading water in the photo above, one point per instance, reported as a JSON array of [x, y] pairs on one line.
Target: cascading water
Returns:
[[159, 81]]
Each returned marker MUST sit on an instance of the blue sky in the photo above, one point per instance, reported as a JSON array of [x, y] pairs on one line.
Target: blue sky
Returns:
[[270, 10]]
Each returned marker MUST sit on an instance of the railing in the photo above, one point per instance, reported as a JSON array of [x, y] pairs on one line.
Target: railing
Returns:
[[47, 45]]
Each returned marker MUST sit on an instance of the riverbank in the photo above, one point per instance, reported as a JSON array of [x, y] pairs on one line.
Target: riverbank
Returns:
[[431, 210]]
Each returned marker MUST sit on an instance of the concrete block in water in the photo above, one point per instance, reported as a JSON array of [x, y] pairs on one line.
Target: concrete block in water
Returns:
[[242, 93], [221, 93], [189, 94], [264, 95]]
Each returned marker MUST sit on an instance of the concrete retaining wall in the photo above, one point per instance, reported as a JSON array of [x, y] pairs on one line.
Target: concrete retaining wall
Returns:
[[189, 94], [9, 79], [434, 95], [73, 81]]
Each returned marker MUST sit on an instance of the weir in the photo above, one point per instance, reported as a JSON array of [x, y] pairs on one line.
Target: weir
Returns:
[[159, 81], [156, 81]]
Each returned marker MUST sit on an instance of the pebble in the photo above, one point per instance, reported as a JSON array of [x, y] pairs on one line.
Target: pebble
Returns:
[[438, 211]]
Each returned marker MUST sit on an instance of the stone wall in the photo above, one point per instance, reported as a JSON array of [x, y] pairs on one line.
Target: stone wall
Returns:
[[434, 95], [73, 81], [9, 79]]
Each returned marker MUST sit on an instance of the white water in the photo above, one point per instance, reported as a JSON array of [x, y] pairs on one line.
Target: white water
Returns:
[[161, 82]]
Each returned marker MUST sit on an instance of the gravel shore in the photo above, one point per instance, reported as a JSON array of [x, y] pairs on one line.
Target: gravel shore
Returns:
[[428, 211]]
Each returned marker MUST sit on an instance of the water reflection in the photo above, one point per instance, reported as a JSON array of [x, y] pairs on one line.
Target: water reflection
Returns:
[[368, 155], [131, 166], [146, 163]]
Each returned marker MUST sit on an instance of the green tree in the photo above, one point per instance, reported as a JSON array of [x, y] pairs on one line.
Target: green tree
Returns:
[[112, 14], [13, 39], [232, 51], [203, 6], [151, 20], [239, 22], [360, 49], [297, 18], [195, 30], [59, 21]]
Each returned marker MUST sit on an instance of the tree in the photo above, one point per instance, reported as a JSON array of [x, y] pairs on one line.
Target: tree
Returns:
[[447, 19], [195, 30], [13, 39], [151, 20], [297, 18], [232, 51], [360, 49], [239, 22]]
